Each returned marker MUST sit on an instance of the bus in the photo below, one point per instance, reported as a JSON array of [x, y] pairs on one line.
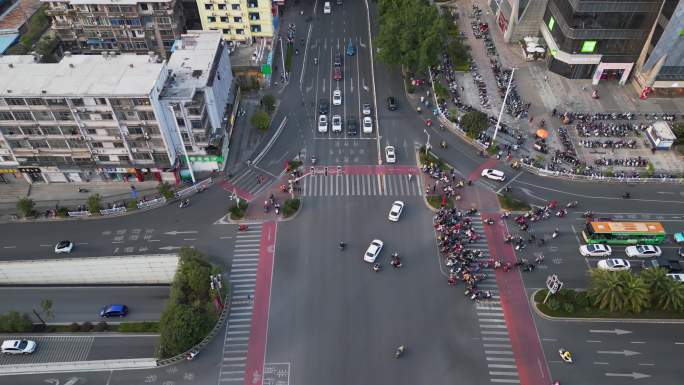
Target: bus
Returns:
[[624, 233]]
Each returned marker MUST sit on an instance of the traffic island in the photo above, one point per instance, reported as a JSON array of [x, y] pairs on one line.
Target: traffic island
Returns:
[[509, 203]]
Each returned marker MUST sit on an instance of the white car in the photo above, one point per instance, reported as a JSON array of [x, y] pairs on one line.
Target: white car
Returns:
[[596, 250], [366, 109], [64, 247], [643, 251], [395, 211], [327, 8], [390, 155], [613, 264], [679, 277], [336, 123], [322, 123], [367, 125], [493, 174], [337, 98], [373, 251], [18, 347]]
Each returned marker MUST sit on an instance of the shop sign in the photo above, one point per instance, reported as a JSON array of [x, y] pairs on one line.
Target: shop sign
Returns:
[[8, 170], [206, 158]]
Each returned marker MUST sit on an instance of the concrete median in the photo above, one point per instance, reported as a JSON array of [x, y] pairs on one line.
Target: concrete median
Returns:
[[78, 366]]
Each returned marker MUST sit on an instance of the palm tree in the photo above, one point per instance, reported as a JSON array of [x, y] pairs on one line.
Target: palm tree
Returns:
[[637, 295], [606, 290], [656, 280], [672, 295]]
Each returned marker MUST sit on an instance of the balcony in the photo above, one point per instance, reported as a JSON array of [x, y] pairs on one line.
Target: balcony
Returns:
[[593, 34]]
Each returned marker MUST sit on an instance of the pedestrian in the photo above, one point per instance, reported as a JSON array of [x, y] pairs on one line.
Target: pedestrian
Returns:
[[434, 187], [546, 78], [258, 178]]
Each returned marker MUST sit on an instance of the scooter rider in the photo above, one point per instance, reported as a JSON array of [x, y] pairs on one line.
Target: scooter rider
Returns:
[[342, 245]]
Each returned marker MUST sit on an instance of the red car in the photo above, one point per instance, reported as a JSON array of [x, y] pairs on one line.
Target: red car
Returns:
[[337, 73]]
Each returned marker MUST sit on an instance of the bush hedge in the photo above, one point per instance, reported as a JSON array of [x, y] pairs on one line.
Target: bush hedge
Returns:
[[290, 207]]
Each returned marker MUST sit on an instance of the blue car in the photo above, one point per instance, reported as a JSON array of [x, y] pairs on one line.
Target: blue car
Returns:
[[350, 49], [115, 310], [679, 237]]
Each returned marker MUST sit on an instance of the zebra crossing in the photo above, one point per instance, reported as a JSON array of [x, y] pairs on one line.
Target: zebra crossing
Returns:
[[490, 317], [243, 281], [248, 181], [361, 185]]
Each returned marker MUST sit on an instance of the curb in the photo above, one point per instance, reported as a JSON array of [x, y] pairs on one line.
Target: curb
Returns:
[[422, 183], [605, 320]]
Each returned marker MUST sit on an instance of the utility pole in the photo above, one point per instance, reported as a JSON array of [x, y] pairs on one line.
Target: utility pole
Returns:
[[503, 105]]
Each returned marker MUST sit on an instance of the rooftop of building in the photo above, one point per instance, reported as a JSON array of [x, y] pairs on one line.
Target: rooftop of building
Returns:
[[109, 2], [254, 55], [17, 14], [79, 75], [192, 58]]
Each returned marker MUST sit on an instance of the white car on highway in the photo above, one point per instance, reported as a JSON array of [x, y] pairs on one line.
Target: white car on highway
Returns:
[[65, 247], [337, 98], [18, 347], [595, 250], [367, 125], [390, 155], [336, 123], [366, 109], [395, 211], [322, 123], [493, 174], [613, 264], [643, 251], [373, 251]]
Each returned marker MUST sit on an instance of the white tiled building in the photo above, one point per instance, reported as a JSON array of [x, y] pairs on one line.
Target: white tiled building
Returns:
[[105, 117]]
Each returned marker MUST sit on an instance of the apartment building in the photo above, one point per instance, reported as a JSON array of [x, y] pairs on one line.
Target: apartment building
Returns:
[[660, 68], [242, 22], [92, 117], [198, 91], [598, 40], [517, 19], [140, 26]]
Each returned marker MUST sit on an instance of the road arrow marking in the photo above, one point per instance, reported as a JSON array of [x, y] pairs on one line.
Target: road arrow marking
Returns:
[[634, 375], [626, 353], [614, 331], [174, 232]]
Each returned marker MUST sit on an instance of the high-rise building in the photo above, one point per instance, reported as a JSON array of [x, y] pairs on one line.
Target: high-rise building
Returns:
[[140, 26], [240, 21], [109, 116], [590, 39], [518, 19], [660, 68]]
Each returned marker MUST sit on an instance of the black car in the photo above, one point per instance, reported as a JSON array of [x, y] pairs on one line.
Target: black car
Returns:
[[672, 265], [391, 103], [323, 106], [338, 59], [680, 252], [352, 126]]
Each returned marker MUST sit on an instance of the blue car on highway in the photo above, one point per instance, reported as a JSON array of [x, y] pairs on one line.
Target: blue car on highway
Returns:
[[115, 310]]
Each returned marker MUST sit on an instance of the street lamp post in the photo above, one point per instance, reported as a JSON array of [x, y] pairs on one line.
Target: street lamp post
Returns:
[[180, 137], [498, 121]]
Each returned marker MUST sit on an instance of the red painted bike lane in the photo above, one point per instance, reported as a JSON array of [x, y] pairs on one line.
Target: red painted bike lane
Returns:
[[529, 356], [256, 351]]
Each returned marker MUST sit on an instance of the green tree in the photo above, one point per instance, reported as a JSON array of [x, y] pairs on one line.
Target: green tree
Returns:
[[180, 328], [606, 290], [636, 292], [94, 204], [656, 280], [165, 190], [260, 120], [474, 122], [15, 322], [45, 313], [25, 206], [193, 278], [268, 102], [671, 296]]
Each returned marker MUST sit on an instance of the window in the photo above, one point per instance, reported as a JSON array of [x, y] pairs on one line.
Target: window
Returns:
[[208, 7], [76, 102], [91, 131], [254, 16], [107, 116], [141, 101], [237, 19], [221, 7], [41, 143], [235, 7], [43, 115], [552, 23], [15, 102], [23, 115], [588, 46], [252, 3], [239, 31], [144, 6], [6, 115], [255, 28], [56, 102], [63, 115], [97, 145], [118, 145], [35, 102], [51, 130], [164, 20], [142, 156], [196, 123], [145, 115], [211, 19], [224, 19], [104, 158], [135, 130], [56, 143], [226, 31]]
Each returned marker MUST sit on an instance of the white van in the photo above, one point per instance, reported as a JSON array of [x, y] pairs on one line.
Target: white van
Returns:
[[327, 8]]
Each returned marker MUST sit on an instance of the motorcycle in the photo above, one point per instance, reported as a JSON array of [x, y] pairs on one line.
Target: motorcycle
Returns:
[[376, 267], [571, 205], [555, 234], [626, 195], [82, 190], [243, 228], [565, 355], [342, 246], [184, 203], [489, 221], [400, 351]]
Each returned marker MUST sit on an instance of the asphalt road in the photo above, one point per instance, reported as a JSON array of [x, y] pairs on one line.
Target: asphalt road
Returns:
[[80, 304]]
